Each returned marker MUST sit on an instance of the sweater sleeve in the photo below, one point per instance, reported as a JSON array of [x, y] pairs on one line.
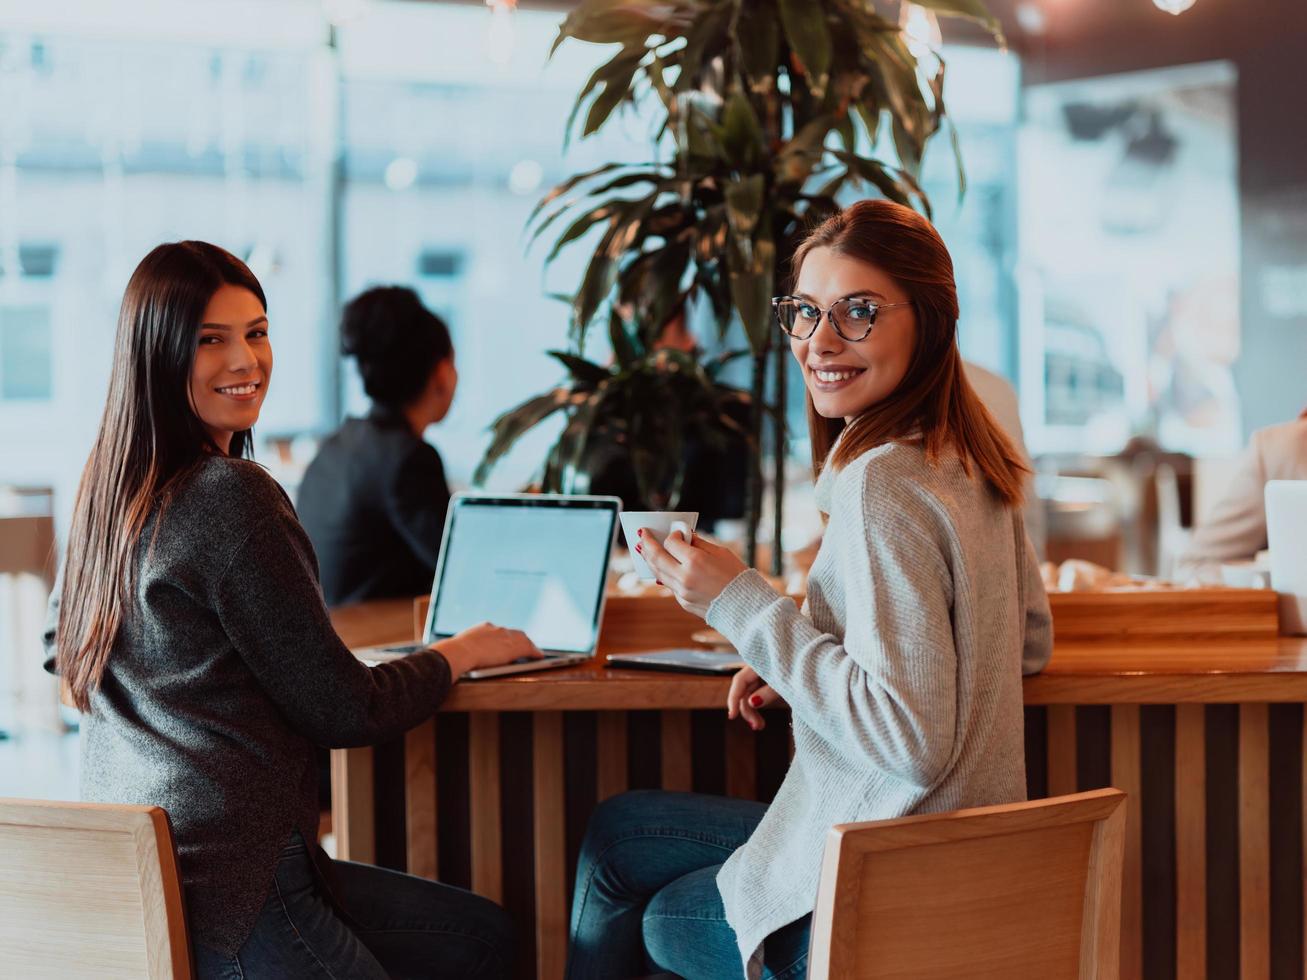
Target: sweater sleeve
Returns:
[[886, 691], [1038, 645], [271, 608], [417, 501]]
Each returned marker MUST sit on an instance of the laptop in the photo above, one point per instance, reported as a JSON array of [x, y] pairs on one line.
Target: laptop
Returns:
[[1286, 532], [533, 562]]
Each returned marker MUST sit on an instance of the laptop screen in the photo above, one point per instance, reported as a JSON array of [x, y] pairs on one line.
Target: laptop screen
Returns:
[[535, 563]]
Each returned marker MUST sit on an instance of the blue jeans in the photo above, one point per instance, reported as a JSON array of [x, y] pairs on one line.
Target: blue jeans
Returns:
[[646, 891], [403, 927]]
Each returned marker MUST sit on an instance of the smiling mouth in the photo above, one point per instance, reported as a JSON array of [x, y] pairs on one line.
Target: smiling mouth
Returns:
[[238, 391], [834, 380]]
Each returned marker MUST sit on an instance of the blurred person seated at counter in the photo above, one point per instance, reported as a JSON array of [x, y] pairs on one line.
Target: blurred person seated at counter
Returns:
[[1236, 528], [374, 498]]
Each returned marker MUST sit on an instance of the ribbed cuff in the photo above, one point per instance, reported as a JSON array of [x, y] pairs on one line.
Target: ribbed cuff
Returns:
[[748, 595]]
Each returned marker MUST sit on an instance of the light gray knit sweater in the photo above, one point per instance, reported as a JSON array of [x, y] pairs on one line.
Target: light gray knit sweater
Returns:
[[903, 671]]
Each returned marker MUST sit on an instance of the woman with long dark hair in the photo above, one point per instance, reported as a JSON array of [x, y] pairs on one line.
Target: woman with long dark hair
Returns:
[[190, 631], [903, 671]]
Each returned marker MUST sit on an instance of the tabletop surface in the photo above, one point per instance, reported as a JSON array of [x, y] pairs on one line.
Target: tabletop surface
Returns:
[[1080, 672]]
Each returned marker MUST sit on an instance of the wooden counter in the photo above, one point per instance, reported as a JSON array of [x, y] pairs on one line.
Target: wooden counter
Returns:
[[1206, 737]]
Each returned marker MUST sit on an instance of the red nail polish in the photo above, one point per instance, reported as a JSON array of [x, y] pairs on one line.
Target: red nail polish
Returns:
[[658, 581], [639, 548], [639, 533], [756, 700]]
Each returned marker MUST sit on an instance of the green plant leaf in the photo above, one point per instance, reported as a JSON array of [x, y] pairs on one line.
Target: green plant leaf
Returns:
[[625, 351], [570, 449], [618, 21], [807, 33], [581, 225], [759, 40], [896, 185], [600, 274], [741, 134], [510, 426], [804, 151], [582, 371], [616, 86], [571, 182], [744, 202], [703, 39], [751, 275]]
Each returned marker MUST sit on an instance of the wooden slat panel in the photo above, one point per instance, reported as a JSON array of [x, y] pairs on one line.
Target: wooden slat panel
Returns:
[[1061, 749], [420, 799], [550, 845], [1254, 844], [487, 823], [677, 765], [1190, 842], [611, 734], [352, 817], [741, 760], [1126, 777]]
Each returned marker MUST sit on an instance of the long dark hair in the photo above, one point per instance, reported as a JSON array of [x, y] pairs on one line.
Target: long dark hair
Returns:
[[934, 397], [150, 438]]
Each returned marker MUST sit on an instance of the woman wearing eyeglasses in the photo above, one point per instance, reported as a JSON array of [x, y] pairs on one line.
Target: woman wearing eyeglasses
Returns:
[[903, 670]]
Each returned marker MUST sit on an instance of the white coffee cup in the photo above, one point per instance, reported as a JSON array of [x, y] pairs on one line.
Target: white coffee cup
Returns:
[[1246, 574], [656, 524]]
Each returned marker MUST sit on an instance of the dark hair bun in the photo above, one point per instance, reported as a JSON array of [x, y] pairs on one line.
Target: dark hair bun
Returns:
[[396, 341]]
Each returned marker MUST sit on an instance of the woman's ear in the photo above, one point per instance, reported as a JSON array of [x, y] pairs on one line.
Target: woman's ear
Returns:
[[444, 381]]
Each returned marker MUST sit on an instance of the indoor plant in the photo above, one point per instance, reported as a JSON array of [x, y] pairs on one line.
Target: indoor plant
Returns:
[[765, 111]]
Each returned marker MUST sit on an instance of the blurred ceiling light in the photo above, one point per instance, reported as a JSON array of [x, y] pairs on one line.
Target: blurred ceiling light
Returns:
[[1030, 18], [401, 173], [921, 28], [525, 177], [1175, 7], [500, 36]]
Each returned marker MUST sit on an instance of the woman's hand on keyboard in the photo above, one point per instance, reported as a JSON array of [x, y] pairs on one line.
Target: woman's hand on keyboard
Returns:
[[485, 645]]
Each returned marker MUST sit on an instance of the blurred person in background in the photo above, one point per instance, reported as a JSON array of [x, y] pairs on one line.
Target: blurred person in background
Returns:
[[374, 498], [1236, 528]]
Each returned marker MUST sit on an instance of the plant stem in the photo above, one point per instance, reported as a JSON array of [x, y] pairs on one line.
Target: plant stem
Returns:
[[753, 487], [779, 448]]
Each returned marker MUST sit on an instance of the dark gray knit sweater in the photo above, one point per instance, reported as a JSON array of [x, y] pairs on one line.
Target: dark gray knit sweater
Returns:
[[222, 680]]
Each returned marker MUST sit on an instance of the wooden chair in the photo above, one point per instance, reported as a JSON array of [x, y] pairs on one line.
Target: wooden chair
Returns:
[[89, 890], [1021, 890]]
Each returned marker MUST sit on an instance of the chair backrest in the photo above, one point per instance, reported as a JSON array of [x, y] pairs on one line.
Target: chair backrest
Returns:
[[89, 889], [1021, 890]]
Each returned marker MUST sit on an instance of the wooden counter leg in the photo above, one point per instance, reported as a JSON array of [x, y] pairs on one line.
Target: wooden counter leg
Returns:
[[420, 799], [550, 845], [1061, 749], [1190, 842], [677, 768], [610, 729], [1126, 777], [352, 817], [1254, 843], [741, 760], [486, 819]]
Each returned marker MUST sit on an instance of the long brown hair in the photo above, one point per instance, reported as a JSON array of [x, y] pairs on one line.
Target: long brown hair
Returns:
[[149, 439], [934, 401]]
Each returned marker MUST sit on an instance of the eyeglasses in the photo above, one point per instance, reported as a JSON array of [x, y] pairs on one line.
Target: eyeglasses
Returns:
[[852, 318]]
